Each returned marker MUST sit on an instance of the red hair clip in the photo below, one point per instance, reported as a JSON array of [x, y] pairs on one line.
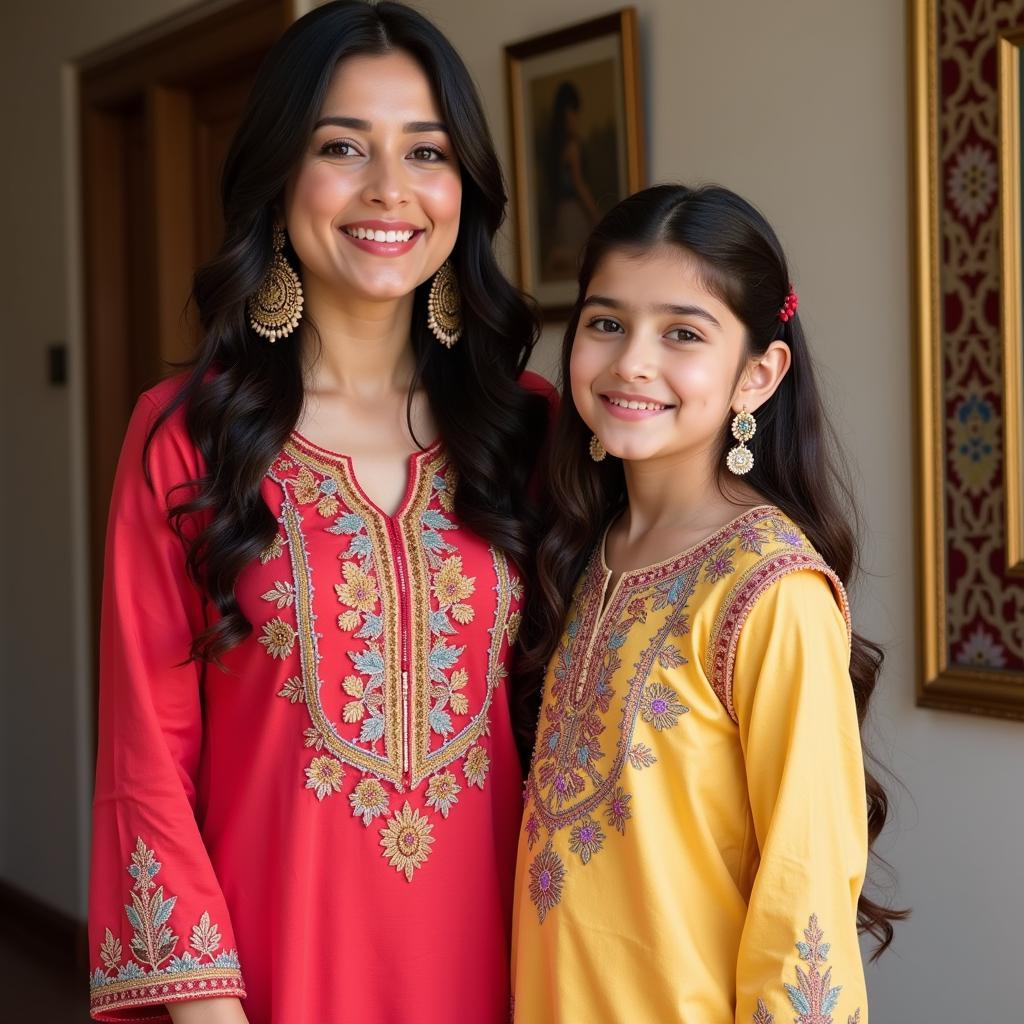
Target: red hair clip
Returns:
[[789, 306]]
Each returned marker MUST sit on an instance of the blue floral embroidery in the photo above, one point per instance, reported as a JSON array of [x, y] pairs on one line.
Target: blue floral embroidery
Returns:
[[153, 944]]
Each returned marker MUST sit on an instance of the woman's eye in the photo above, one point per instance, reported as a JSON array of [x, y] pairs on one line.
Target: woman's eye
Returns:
[[683, 334], [428, 153], [605, 325], [338, 149]]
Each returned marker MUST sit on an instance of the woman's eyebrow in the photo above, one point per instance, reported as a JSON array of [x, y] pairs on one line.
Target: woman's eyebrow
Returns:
[[359, 125], [668, 309]]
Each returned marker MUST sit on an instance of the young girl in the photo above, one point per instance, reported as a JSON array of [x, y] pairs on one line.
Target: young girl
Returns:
[[697, 820]]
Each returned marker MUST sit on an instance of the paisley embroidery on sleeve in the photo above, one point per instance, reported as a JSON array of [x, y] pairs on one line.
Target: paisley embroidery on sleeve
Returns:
[[813, 996], [152, 971]]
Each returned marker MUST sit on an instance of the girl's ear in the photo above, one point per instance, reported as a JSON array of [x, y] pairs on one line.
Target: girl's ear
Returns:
[[762, 376]]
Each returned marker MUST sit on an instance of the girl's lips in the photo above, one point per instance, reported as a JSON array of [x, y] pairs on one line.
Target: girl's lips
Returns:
[[622, 413], [383, 248]]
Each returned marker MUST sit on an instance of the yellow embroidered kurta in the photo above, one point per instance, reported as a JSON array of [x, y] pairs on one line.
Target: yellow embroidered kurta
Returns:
[[695, 834]]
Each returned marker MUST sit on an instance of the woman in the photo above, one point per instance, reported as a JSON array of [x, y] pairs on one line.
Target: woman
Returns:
[[308, 789]]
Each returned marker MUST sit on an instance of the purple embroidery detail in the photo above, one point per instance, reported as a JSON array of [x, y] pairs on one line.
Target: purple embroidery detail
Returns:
[[546, 876], [813, 997]]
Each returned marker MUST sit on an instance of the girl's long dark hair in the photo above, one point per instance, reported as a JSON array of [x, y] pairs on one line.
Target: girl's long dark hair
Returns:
[[796, 468], [243, 396]]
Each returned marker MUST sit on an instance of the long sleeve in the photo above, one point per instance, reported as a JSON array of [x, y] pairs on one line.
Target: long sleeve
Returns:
[[799, 958], [158, 923]]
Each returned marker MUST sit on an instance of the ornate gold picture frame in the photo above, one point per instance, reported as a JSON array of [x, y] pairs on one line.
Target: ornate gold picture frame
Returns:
[[965, 207]]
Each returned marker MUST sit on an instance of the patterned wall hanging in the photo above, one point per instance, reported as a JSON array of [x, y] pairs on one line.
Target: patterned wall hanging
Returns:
[[965, 160]]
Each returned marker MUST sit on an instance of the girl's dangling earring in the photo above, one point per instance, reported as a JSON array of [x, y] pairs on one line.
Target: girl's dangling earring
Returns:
[[597, 450], [444, 306], [740, 460], [276, 306]]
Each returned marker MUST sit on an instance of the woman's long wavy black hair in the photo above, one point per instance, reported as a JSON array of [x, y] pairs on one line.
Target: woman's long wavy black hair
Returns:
[[796, 467], [243, 396]]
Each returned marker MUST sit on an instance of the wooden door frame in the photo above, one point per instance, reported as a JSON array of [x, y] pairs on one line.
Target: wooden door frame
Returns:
[[147, 76]]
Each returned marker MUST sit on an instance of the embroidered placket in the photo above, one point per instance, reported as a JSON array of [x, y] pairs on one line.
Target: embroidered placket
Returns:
[[398, 550]]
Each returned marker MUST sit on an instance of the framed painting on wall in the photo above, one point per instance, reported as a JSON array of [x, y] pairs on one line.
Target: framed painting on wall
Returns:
[[966, 204], [577, 148]]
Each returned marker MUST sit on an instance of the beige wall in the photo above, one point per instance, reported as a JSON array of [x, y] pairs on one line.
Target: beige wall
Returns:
[[799, 104], [44, 728]]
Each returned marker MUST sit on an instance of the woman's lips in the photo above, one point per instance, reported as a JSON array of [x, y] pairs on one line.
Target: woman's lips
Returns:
[[399, 247]]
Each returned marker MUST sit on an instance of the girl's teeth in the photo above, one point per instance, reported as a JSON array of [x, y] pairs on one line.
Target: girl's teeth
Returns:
[[635, 405]]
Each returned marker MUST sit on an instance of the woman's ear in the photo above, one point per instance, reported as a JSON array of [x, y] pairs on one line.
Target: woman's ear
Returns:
[[762, 376]]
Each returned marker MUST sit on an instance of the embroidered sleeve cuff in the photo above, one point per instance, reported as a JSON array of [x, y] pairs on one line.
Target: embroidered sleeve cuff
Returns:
[[143, 996]]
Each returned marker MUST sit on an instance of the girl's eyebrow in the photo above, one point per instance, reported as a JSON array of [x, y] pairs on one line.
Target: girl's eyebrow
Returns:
[[667, 309], [359, 125]]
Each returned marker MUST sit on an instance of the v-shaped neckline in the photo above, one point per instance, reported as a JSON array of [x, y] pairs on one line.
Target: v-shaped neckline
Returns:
[[343, 461]]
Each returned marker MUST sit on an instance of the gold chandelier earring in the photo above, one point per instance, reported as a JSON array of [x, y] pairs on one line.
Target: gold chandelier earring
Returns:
[[597, 450], [740, 460], [275, 308], [444, 306]]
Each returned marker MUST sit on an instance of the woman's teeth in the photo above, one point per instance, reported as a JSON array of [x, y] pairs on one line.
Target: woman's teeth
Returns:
[[636, 405], [380, 236]]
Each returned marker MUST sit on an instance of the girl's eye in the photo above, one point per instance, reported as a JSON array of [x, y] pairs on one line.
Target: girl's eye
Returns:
[[683, 334], [605, 325], [428, 153], [338, 148]]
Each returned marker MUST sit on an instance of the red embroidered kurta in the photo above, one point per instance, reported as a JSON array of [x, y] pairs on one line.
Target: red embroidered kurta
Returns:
[[328, 827]]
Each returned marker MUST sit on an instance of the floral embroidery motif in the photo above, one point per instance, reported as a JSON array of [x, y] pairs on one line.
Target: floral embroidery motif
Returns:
[[451, 588], [641, 756], [278, 638], [369, 799], [154, 968], [403, 595], [752, 538], [597, 707], [324, 775], [617, 811], [813, 997], [660, 707], [532, 830], [282, 595], [476, 766], [358, 592], [547, 873], [442, 792], [586, 839], [406, 840], [718, 566], [273, 550], [293, 690]]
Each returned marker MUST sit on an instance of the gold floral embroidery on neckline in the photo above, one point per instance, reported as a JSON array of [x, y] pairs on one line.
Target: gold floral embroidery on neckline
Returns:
[[440, 594]]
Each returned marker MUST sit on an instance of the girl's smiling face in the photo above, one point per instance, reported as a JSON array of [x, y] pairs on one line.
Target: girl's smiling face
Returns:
[[380, 159], [657, 360]]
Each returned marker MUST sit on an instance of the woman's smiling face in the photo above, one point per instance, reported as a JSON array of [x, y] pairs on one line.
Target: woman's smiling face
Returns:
[[656, 358], [373, 208]]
